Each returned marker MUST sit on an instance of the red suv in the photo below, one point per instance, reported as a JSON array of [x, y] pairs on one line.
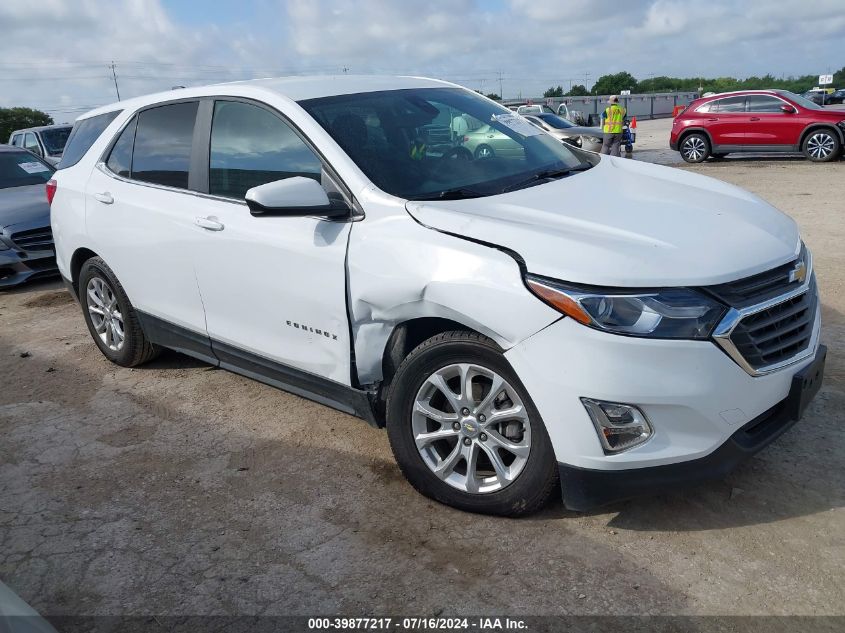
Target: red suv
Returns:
[[757, 121]]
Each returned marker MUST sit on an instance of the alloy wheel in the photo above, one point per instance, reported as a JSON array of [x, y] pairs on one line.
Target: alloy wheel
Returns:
[[820, 145], [694, 148], [484, 152], [105, 313], [471, 428]]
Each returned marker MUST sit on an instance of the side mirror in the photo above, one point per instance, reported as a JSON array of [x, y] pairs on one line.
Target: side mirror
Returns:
[[787, 108], [295, 196]]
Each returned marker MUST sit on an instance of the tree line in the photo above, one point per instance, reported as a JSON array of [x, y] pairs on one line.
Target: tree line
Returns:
[[617, 82]]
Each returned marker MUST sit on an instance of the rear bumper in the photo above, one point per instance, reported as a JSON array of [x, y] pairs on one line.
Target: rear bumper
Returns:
[[584, 488], [15, 270]]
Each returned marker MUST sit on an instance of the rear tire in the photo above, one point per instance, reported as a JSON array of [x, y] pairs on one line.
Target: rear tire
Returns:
[[432, 427], [821, 146], [110, 317], [695, 148]]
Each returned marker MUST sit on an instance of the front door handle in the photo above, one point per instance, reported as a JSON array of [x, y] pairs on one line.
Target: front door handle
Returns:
[[715, 119], [755, 118], [209, 224], [105, 197]]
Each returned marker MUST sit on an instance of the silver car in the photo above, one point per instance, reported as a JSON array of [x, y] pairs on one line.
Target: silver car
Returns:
[[589, 138], [46, 141]]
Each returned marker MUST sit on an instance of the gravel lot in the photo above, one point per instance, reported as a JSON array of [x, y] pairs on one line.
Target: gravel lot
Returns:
[[179, 489]]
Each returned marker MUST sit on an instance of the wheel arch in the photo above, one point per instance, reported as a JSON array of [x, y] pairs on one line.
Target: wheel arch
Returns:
[[683, 135], [813, 127], [80, 256]]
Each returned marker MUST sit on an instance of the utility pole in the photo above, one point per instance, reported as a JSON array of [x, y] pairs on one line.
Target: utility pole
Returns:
[[114, 76], [345, 69], [501, 95], [587, 80]]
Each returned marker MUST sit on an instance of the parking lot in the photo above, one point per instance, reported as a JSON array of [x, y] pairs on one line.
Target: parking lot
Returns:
[[176, 488]]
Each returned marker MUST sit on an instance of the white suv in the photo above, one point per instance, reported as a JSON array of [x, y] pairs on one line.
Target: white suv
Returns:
[[545, 316]]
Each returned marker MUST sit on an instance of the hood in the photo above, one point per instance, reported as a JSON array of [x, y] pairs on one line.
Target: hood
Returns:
[[627, 223], [24, 205], [579, 130]]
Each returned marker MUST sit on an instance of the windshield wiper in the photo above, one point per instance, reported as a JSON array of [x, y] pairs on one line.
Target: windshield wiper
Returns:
[[548, 174], [458, 193]]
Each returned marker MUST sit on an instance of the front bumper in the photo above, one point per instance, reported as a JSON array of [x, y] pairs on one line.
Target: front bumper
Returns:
[[16, 267], [584, 489]]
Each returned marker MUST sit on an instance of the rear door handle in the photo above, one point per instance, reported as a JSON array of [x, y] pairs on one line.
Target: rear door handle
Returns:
[[209, 224], [714, 119], [104, 197], [755, 118]]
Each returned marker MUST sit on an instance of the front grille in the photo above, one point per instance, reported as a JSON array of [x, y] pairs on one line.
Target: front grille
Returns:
[[778, 333], [757, 288], [40, 239]]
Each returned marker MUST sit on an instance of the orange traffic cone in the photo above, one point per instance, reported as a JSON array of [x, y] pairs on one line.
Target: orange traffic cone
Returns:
[[633, 123]]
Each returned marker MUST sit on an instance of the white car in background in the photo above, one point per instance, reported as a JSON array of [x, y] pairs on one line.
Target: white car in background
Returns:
[[515, 321]]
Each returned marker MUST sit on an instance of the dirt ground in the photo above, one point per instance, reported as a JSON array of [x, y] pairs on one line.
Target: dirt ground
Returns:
[[180, 489]]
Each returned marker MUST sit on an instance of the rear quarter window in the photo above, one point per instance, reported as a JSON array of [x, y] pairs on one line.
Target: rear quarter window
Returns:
[[83, 135]]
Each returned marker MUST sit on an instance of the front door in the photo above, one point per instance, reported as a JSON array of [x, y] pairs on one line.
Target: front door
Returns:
[[768, 125], [273, 287]]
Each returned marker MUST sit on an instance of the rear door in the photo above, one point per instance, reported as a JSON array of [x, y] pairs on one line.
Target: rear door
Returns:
[[726, 121], [768, 125], [140, 208], [274, 288]]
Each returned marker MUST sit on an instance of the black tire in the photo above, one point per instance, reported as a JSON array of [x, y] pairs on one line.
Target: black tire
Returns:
[[695, 147], [529, 491], [821, 145], [457, 153], [484, 152], [135, 349]]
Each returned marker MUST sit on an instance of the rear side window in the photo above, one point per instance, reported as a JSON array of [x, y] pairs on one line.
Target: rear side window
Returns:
[[731, 104], [251, 146], [163, 144], [83, 135], [120, 159]]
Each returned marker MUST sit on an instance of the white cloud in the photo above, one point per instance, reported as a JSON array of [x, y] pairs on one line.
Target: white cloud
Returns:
[[533, 43]]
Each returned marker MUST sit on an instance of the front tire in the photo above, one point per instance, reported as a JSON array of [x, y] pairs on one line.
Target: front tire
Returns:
[[695, 148], [484, 152], [110, 317], [464, 430], [821, 146]]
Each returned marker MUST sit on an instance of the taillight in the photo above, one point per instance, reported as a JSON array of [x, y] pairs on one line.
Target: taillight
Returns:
[[51, 190]]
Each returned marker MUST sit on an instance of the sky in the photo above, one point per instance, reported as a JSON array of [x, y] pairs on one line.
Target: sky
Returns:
[[56, 55]]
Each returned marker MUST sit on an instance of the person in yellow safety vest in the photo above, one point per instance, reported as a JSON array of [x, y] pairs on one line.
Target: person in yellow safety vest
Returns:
[[613, 121]]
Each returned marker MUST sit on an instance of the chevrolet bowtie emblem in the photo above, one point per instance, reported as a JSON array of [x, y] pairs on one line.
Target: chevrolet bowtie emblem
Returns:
[[469, 427], [799, 273]]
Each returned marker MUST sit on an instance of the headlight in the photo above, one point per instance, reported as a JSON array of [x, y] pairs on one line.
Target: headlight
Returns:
[[663, 313]]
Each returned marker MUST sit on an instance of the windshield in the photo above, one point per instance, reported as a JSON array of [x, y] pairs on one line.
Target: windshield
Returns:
[[427, 143], [22, 168], [54, 139], [553, 120], [803, 102]]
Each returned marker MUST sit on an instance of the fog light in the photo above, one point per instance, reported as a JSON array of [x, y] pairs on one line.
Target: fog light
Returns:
[[619, 426]]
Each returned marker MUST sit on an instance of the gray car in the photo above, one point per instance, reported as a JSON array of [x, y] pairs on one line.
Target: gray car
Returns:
[[47, 141], [589, 138], [26, 241]]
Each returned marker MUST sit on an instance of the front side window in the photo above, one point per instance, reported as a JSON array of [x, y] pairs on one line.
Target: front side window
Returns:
[[17, 140], [31, 143], [251, 146], [83, 135], [731, 104], [163, 143], [19, 168], [405, 141], [764, 103]]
